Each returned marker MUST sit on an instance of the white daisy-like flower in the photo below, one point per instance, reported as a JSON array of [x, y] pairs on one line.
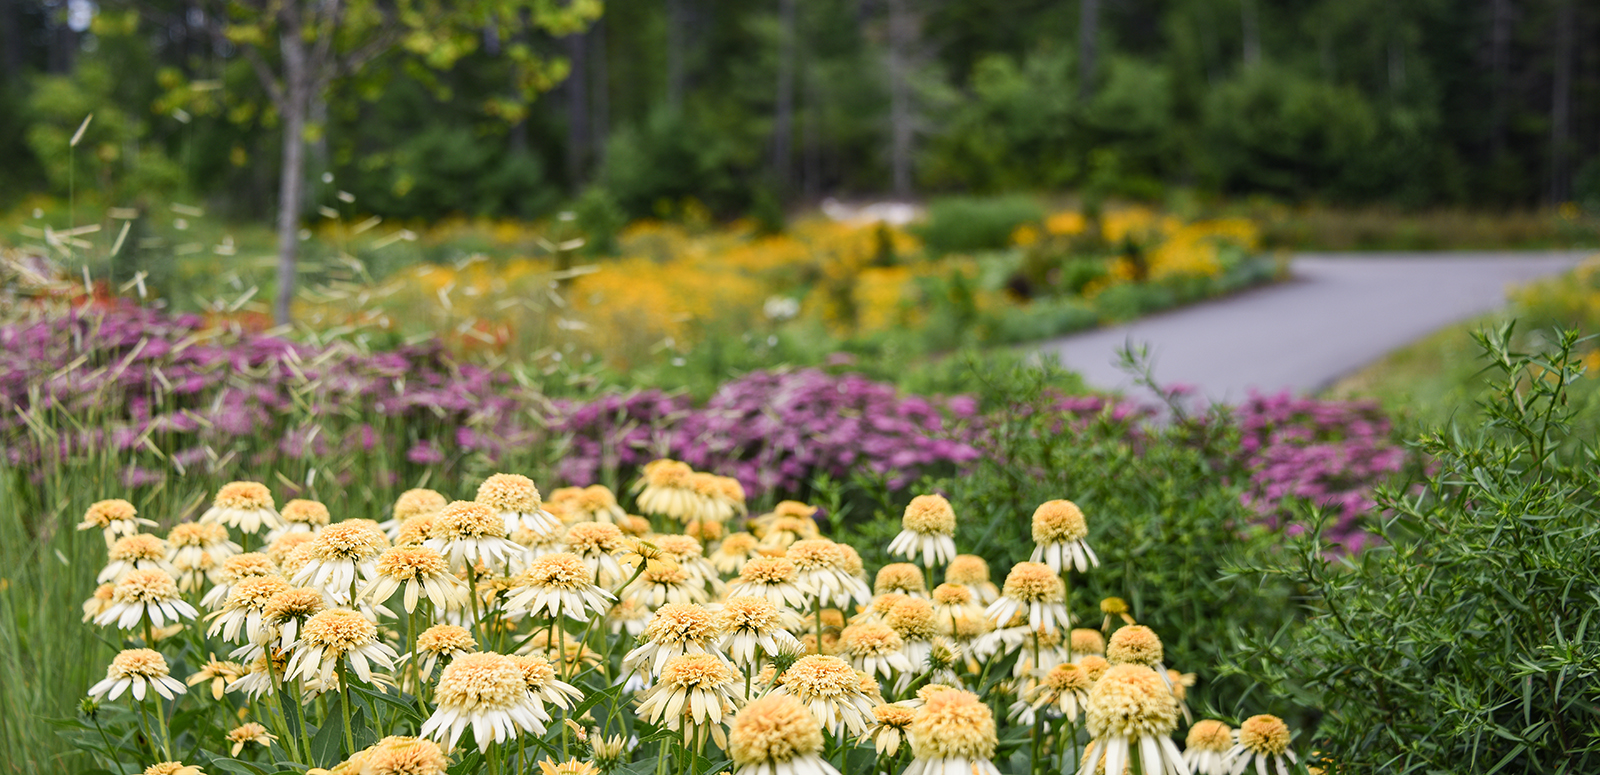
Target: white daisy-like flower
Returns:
[[776, 735], [1059, 531], [285, 613], [559, 584], [1206, 749], [674, 630], [236, 569], [139, 670], [688, 553], [244, 612], [1033, 588], [831, 690], [774, 578], [516, 500], [667, 488], [1064, 691], [752, 628], [263, 677], [927, 529], [140, 551], [488, 692], [141, 594], [875, 648], [952, 733], [540, 676], [1261, 740], [197, 550], [600, 545], [913, 619], [115, 517], [1131, 707], [821, 573], [665, 584], [441, 642], [338, 634], [411, 504], [695, 694], [300, 516], [972, 572], [341, 555], [244, 505], [469, 533], [419, 570], [733, 552]]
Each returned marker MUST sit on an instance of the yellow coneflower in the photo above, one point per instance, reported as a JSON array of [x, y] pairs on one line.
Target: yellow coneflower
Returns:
[[821, 573], [397, 755], [892, 723], [219, 672], [540, 676], [972, 572], [1045, 651], [516, 500], [1115, 607], [249, 732], [173, 768], [675, 629], [98, 602], [410, 505], [667, 489], [629, 616], [927, 528], [1059, 531], [115, 517], [954, 605], [953, 732], [141, 670], [775, 735], [713, 504], [139, 551], [487, 692], [665, 585], [416, 530], [1136, 644], [1095, 666], [244, 505], [595, 503], [559, 584], [568, 767], [774, 578], [301, 516], [245, 609], [421, 571], [1084, 642], [1130, 708], [288, 610], [901, 577], [236, 569], [599, 544], [537, 544], [441, 642], [1064, 690], [831, 690], [1034, 588], [735, 550], [469, 533], [196, 550], [145, 594], [694, 693], [263, 676], [286, 543], [875, 648], [339, 634], [1262, 740], [1180, 683], [342, 554], [752, 627], [687, 552], [1206, 750], [801, 527]]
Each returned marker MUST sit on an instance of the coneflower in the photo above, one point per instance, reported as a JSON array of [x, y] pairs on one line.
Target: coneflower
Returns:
[[821, 573], [559, 584], [116, 518], [419, 570], [337, 634], [774, 578], [247, 733], [875, 648], [540, 676], [469, 533], [952, 733], [1033, 588], [1059, 531], [775, 735], [340, 556], [1131, 709], [219, 672], [287, 611], [1206, 749], [735, 550], [891, 725], [235, 569], [145, 595], [831, 690], [410, 505], [516, 500], [752, 629], [139, 551], [141, 671], [675, 629], [900, 577], [1261, 740], [301, 516], [246, 506], [926, 529], [599, 544], [197, 551], [667, 489], [1064, 691], [487, 692], [440, 643], [694, 693]]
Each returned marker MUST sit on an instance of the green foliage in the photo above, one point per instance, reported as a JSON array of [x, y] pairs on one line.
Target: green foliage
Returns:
[[114, 159], [1277, 131], [652, 167], [969, 224], [1163, 509], [1013, 131], [1466, 642]]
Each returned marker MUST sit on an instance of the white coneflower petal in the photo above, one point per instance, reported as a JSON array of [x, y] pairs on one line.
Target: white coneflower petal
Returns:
[[145, 594], [244, 505], [1059, 531], [137, 671], [115, 517], [559, 584], [953, 732], [486, 691], [1261, 740], [926, 530]]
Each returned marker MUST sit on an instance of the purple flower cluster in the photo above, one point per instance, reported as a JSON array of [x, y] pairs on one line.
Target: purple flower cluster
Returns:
[[1329, 453], [197, 394]]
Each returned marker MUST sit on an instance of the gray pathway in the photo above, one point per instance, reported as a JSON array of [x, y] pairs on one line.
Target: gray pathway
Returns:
[[1338, 313]]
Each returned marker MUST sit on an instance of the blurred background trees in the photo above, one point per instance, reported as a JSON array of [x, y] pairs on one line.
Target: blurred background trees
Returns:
[[750, 107]]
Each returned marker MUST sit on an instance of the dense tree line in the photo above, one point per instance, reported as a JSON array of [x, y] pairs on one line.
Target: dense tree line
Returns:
[[749, 106]]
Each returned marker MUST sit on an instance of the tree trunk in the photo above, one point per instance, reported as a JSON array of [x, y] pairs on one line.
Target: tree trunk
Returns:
[[600, 93], [1561, 104], [900, 129], [295, 105], [10, 41], [1088, 38], [577, 110], [1250, 23], [783, 118]]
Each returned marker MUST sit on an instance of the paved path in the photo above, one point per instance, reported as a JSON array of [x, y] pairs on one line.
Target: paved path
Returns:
[[1338, 313]]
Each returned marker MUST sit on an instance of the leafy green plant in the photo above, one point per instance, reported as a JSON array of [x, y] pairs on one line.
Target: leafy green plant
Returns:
[[1465, 644], [968, 224]]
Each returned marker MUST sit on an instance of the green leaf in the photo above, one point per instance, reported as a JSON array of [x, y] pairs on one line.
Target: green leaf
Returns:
[[328, 742], [396, 701], [234, 765]]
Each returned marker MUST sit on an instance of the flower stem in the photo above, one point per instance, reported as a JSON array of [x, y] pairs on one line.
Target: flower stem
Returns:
[[416, 661], [344, 706], [166, 734]]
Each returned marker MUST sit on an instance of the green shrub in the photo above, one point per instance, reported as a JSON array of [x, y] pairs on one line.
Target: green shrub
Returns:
[[1164, 517], [969, 224], [1465, 643], [1273, 130]]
